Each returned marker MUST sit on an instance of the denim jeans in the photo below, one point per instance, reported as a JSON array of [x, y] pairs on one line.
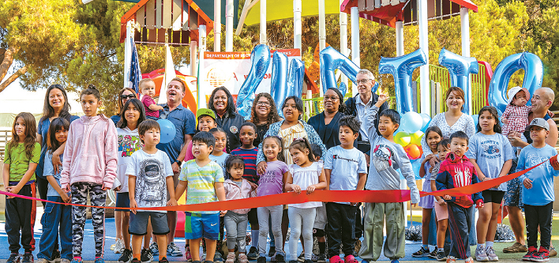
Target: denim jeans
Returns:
[[55, 216]]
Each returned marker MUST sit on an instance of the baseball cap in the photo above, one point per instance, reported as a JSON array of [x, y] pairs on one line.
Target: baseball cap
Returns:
[[204, 112], [540, 123], [512, 92]]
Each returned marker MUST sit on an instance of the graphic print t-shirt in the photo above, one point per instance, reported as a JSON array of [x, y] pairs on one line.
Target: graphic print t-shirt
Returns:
[[151, 171], [490, 152], [128, 143]]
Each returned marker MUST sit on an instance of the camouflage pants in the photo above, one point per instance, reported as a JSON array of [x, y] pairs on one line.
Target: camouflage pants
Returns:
[[79, 196]]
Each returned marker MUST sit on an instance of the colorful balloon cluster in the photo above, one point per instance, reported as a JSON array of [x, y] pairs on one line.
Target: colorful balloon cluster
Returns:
[[409, 135]]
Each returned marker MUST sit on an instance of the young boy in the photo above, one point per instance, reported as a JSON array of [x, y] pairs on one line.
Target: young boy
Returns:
[[150, 176], [247, 135], [147, 88], [386, 158], [457, 171], [345, 168], [203, 180], [538, 194]]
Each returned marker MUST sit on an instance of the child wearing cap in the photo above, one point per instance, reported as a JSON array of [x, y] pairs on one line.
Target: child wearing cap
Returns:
[[538, 194], [515, 116], [206, 122]]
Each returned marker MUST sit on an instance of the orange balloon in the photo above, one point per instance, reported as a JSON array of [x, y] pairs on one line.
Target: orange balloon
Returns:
[[413, 151]]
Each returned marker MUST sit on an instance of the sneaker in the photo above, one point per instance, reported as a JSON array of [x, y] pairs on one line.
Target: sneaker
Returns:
[[481, 255], [126, 256], [147, 256], [231, 257], [55, 255], [422, 252], [164, 260], [336, 259], [154, 249], [218, 257], [350, 259], [543, 255], [261, 260], [530, 255], [187, 254], [515, 248], [314, 257], [395, 261], [552, 252], [491, 255], [440, 256], [450, 259], [301, 257], [77, 260], [173, 250], [252, 253], [27, 258], [272, 251], [135, 260], [42, 260], [119, 246], [432, 254], [279, 257], [321, 258], [243, 258], [99, 260], [469, 260]]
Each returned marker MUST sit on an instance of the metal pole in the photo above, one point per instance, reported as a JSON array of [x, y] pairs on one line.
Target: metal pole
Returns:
[[217, 25], [343, 39], [465, 30], [355, 52], [297, 25], [229, 26], [128, 53], [424, 45], [399, 38], [263, 35]]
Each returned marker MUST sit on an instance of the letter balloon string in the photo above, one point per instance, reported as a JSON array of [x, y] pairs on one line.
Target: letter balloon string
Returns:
[[365, 196]]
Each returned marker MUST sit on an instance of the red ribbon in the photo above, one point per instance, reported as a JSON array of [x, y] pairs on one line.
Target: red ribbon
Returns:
[[364, 196]]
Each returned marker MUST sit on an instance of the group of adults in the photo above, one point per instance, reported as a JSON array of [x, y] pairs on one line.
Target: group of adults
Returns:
[[321, 129]]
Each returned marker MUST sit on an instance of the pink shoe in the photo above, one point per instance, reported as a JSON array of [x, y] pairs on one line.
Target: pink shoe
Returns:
[[336, 259], [350, 259]]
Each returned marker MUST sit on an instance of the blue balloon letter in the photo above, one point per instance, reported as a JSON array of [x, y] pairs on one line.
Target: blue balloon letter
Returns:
[[460, 68], [260, 59]]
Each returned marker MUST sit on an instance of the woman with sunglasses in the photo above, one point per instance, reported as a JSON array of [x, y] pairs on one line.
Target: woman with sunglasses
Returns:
[[56, 105], [124, 95]]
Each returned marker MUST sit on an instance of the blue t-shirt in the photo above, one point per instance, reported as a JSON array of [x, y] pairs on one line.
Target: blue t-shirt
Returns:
[[43, 129], [490, 152], [249, 156], [542, 192], [221, 161], [185, 123], [346, 165], [49, 170]]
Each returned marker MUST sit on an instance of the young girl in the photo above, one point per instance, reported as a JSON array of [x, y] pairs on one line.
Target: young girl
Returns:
[[491, 154], [56, 215], [272, 182], [441, 210], [433, 136], [22, 155], [132, 114], [305, 174], [236, 221], [219, 155], [89, 166]]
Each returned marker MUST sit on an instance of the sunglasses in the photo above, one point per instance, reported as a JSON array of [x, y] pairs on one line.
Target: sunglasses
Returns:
[[129, 96]]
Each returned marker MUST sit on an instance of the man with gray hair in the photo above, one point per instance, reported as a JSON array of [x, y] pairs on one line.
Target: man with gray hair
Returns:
[[358, 106]]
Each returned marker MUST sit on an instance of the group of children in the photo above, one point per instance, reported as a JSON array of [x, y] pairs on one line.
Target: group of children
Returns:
[[98, 157]]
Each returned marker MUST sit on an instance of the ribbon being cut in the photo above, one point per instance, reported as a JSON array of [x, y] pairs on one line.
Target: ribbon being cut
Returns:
[[365, 196]]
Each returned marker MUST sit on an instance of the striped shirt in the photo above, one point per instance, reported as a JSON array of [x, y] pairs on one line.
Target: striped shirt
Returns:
[[249, 156], [201, 182]]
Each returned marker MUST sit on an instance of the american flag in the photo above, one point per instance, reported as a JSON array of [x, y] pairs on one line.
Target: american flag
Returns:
[[135, 73]]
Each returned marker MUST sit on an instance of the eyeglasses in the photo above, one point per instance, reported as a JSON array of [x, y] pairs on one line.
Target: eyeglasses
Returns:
[[332, 98], [263, 103], [362, 81], [129, 96]]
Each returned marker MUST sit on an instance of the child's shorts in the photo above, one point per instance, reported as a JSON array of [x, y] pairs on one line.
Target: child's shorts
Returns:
[[198, 225], [321, 219], [492, 196], [139, 223], [441, 211], [122, 200]]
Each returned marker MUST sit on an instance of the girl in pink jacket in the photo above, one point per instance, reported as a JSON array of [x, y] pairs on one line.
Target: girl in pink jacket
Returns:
[[90, 163], [236, 220]]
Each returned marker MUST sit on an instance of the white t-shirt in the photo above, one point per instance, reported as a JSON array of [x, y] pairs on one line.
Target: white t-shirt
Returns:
[[151, 171], [128, 143], [304, 177], [346, 165]]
